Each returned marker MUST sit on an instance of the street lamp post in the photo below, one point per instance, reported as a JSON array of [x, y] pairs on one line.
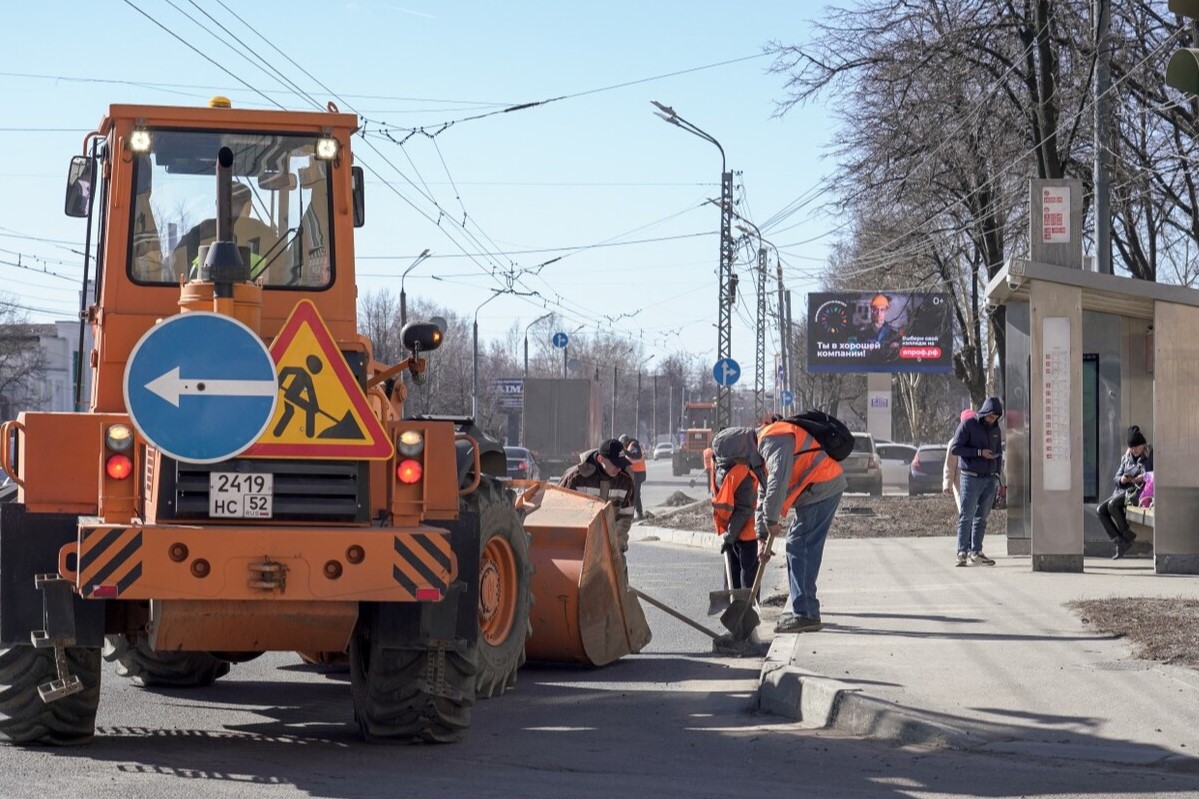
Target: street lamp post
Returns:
[[474, 382], [724, 326], [403, 296], [541, 318]]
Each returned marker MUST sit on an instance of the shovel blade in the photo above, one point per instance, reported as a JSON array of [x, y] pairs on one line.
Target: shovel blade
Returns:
[[720, 601], [740, 619]]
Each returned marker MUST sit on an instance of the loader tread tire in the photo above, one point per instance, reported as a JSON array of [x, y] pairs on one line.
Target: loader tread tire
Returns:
[[502, 646], [410, 695], [149, 669], [26, 719]]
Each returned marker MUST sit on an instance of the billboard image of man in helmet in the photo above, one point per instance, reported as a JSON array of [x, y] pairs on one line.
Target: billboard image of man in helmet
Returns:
[[878, 330]]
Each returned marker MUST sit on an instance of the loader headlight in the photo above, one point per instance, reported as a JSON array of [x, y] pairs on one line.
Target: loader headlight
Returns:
[[139, 140], [411, 443], [118, 438], [326, 148]]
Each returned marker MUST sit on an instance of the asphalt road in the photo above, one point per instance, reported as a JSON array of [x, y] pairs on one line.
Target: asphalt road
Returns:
[[673, 721]]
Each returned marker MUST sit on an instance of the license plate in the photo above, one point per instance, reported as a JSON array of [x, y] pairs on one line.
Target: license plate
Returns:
[[240, 495]]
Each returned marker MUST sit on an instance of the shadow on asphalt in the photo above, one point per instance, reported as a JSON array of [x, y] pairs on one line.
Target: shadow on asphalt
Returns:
[[579, 732]]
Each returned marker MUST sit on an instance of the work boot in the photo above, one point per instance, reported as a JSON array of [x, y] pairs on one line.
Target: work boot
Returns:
[[961, 559], [979, 559], [790, 623]]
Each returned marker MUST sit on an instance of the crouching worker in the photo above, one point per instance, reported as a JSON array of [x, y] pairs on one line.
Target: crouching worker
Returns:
[[734, 489], [604, 473]]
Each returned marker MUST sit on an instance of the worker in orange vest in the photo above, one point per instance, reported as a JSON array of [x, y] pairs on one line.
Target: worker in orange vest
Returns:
[[802, 476], [734, 488], [636, 457], [709, 467]]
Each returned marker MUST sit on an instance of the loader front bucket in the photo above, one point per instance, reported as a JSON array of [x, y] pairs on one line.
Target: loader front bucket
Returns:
[[583, 610]]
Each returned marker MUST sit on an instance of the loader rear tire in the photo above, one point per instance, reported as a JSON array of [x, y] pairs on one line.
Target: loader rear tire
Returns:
[[505, 590], [26, 719], [409, 695], [149, 669]]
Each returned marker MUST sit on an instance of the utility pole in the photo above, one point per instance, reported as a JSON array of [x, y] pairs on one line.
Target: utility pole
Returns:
[[637, 423], [790, 377], [612, 432], [783, 344], [655, 411], [1102, 14], [727, 286], [670, 413], [724, 324], [760, 353]]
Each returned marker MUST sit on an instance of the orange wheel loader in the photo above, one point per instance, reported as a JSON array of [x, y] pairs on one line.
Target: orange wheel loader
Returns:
[[241, 477]]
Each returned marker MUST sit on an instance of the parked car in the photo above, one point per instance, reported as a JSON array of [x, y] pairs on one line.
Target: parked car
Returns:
[[521, 464], [924, 474], [863, 470], [663, 450], [895, 458]]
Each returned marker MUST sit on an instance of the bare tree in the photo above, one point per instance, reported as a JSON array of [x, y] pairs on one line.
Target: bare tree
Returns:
[[22, 361]]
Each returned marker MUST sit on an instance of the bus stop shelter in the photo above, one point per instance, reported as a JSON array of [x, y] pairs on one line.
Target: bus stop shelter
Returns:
[[1089, 354]]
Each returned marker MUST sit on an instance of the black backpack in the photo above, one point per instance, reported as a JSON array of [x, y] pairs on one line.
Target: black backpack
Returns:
[[829, 431]]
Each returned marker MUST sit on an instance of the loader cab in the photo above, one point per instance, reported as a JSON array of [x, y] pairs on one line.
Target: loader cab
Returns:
[[147, 187]]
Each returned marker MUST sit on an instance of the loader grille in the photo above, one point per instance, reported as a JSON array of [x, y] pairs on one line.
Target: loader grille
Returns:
[[329, 491]]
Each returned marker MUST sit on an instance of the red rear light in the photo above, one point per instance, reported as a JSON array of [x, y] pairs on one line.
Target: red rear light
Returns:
[[118, 466], [409, 471], [916, 460], [428, 595]]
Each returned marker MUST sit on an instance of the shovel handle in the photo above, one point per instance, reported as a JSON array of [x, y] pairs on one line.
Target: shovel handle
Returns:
[[762, 568], [667, 609]]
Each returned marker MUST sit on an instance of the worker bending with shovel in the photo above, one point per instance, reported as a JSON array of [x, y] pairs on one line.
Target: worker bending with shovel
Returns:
[[734, 489]]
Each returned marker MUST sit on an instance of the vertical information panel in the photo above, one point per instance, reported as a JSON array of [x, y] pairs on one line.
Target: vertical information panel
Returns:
[[1055, 403]]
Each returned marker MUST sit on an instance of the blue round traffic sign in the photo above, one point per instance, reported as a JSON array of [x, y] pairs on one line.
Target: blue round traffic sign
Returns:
[[726, 371], [201, 387], [560, 340], [787, 397]]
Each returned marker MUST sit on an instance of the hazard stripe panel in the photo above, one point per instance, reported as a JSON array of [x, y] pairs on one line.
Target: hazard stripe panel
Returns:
[[360, 564], [109, 557], [423, 561]]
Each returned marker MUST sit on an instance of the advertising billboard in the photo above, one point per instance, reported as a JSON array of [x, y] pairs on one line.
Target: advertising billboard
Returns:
[[879, 331]]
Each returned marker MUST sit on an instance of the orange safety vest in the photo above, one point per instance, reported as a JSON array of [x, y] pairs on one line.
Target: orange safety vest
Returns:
[[636, 464], [723, 500], [812, 464]]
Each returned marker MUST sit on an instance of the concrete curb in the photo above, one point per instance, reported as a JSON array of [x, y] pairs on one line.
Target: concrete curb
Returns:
[[818, 702], [645, 531]]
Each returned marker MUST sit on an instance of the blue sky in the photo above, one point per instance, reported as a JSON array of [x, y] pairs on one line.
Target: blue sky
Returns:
[[533, 184]]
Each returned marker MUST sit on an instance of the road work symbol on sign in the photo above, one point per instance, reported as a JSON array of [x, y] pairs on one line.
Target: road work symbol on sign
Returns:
[[321, 411]]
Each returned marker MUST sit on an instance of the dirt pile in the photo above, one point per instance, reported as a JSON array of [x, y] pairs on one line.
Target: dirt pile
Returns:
[[862, 516]]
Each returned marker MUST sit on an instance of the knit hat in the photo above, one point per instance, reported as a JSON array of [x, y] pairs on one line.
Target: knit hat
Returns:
[[1135, 437], [613, 451]]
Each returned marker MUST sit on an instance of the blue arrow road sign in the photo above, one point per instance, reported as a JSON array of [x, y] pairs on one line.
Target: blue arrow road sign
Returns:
[[560, 340], [726, 371], [201, 387], [787, 397]]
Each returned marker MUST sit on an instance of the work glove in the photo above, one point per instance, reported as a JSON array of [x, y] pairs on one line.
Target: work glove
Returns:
[[727, 541]]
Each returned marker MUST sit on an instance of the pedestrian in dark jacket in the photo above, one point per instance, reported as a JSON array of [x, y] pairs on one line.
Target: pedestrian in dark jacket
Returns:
[[604, 473], [978, 445], [1129, 480]]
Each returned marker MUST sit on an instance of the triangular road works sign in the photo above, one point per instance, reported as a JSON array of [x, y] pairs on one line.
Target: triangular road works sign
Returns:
[[322, 411]]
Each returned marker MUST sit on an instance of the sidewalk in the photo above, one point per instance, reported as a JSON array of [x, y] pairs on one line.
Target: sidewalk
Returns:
[[915, 650]]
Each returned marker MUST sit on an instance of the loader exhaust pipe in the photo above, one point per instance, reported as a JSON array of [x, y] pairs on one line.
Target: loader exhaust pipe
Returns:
[[223, 264]]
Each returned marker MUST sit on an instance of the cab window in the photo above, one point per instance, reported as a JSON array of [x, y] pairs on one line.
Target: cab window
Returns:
[[281, 207]]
